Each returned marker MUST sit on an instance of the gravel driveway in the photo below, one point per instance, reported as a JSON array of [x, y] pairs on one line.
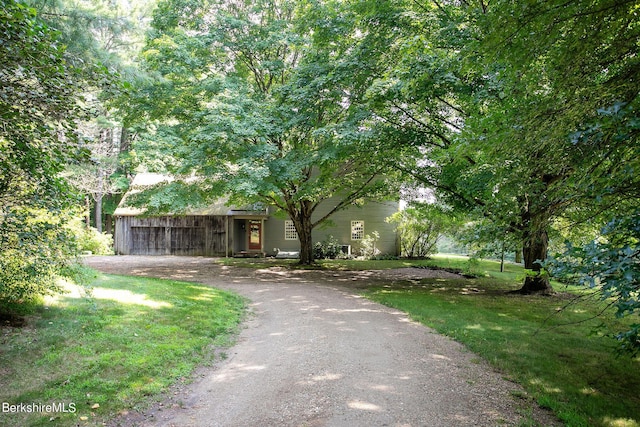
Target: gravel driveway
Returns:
[[315, 353]]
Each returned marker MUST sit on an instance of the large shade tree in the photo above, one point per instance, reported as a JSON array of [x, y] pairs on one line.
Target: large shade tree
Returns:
[[509, 106], [262, 100], [559, 70]]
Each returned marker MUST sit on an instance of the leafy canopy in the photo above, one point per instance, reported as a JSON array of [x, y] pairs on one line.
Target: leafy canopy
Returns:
[[263, 101], [39, 106]]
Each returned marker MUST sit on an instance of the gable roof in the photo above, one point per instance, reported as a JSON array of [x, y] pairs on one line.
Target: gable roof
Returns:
[[220, 207]]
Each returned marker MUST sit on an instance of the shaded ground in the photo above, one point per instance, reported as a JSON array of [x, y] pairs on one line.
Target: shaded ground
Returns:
[[315, 353]]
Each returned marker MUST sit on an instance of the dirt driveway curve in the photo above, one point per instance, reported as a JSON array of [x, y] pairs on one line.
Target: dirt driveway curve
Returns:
[[315, 353]]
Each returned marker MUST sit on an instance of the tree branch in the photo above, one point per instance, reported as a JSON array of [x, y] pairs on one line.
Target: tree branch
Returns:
[[348, 200]]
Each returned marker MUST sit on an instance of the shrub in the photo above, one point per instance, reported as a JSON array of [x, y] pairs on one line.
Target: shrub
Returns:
[[37, 246], [91, 240], [34, 246], [79, 274], [329, 248], [368, 250], [472, 268], [420, 226]]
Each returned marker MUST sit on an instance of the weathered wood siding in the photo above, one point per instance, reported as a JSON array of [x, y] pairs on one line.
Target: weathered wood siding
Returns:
[[171, 235]]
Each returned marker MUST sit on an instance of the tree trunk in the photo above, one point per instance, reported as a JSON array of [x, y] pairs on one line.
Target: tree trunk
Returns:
[[535, 245], [98, 212], [306, 244], [125, 143], [102, 175], [108, 219], [304, 227], [87, 212]]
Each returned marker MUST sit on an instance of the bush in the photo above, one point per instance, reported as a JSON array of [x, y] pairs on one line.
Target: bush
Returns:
[[420, 226], [37, 246], [90, 239], [368, 250], [34, 246], [472, 268], [329, 248], [79, 274]]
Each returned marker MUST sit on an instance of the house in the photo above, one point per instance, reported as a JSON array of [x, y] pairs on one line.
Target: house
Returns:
[[222, 230]]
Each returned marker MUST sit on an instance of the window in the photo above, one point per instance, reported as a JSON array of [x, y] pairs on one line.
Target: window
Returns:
[[357, 230], [290, 232]]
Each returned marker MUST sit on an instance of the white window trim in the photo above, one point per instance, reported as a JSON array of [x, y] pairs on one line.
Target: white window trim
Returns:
[[357, 230], [290, 232]]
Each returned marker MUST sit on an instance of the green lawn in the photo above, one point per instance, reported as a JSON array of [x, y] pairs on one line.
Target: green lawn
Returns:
[[553, 346], [129, 338], [107, 350], [325, 264]]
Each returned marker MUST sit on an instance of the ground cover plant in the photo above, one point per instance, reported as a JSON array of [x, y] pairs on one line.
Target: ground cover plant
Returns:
[[559, 347], [105, 349]]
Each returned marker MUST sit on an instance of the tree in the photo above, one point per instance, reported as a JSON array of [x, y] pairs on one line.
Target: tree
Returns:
[[93, 177], [261, 100], [109, 34], [105, 32], [549, 87], [39, 105], [610, 266], [420, 226], [38, 108], [439, 99], [491, 96], [610, 263]]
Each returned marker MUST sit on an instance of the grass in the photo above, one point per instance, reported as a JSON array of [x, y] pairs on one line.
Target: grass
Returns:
[[329, 264], [107, 350], [130, 338], [551, 345]]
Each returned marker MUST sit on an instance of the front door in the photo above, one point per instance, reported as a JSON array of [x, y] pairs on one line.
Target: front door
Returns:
[[255, 235]]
